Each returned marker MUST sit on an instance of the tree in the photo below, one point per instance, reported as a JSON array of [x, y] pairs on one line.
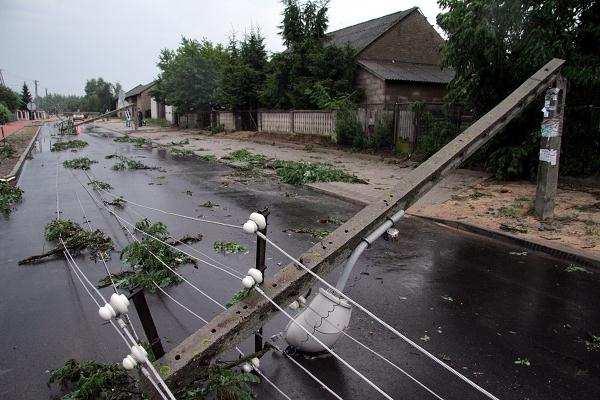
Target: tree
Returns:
[[9, 98], [494, 46], [309, 65], [55, 103], [188, 76], [243, 73], [25, 96], [100, 95]]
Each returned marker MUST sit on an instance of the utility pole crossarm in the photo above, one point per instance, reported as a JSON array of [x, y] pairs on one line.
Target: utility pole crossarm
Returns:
[[240, 321]]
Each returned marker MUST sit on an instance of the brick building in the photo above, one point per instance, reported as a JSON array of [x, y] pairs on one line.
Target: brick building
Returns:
[[140, 97], [398, 57]]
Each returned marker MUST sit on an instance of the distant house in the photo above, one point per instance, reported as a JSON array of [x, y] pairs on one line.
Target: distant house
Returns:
[[398, 57], [159, 110], [140, 98]]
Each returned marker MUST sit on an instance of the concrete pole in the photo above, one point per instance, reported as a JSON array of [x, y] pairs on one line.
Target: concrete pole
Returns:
[[552, 127]]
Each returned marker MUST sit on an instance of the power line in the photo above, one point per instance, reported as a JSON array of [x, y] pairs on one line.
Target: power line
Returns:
[[239, 277], [75, 267], [385, 324]]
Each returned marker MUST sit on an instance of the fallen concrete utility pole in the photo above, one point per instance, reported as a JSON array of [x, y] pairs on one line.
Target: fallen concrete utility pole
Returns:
[[228, 328], [87, 121]]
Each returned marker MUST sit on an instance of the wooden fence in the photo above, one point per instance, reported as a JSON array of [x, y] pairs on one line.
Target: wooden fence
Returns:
[[227, 119], [318, 123]]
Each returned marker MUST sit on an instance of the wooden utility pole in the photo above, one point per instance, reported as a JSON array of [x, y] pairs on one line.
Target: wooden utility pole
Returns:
[[552, 127]]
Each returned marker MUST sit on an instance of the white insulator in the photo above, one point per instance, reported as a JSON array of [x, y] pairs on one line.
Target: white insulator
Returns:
[[248, 282], [250, 227], [260, 220], [129, 362], [247, 368], [256, 275], [139, 353], [255, 362], [294, 305], [119, 303], [302, 300], [106, 312]]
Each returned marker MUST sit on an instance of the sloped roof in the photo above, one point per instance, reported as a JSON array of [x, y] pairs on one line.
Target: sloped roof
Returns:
[[361, 35], [402, 71], [139, 89]]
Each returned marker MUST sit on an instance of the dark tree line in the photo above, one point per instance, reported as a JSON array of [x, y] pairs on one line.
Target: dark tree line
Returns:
[[494, 46]]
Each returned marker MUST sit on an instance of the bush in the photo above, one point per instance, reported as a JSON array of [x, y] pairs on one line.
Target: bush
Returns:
[[383, 137], [217, 128], [348, 130], [5, 114]]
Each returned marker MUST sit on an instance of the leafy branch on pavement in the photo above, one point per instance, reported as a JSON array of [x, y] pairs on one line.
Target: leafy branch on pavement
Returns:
[[83, 163], [68, 145], [127, 163], [137, 141], [145, 268], [96, 184], [245, 159], [76, 240], [179, 152], [9, 196], [316, 233], [89, 380], [118, 202], [298, 173], [228, 247]]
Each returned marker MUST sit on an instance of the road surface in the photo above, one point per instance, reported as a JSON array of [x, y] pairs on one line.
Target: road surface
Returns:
[[479, 304]]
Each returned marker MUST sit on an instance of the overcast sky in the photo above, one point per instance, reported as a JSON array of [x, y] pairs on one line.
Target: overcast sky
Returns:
[[62, 43]]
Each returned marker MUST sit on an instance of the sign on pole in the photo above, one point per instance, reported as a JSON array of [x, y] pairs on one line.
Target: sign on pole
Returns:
[[552, 127]]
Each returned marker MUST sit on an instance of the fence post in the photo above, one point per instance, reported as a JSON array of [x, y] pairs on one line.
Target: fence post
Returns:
[[141, 306], [261, 252], [292, 121], [552, 127]]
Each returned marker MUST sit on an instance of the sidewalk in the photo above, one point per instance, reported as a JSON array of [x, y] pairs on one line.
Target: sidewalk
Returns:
[[13, 127], [381, 173]]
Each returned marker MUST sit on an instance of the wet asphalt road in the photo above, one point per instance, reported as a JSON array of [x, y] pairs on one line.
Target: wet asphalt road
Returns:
[[477, 303]]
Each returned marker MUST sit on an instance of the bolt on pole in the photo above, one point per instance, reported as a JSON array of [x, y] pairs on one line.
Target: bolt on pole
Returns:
[[261, 253], [552, 128]]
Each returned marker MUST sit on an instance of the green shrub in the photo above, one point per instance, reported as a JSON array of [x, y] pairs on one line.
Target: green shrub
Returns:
[[348, 130], [435, 134], [217, 128], [383, 137], [5, 114], [6, 151]]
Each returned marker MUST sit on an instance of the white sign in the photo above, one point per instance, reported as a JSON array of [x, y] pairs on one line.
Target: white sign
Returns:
[[549, 156], [550, 128], [31, 106]]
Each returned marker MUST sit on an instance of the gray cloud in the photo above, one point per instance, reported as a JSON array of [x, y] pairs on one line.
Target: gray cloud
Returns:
[[63, 43]]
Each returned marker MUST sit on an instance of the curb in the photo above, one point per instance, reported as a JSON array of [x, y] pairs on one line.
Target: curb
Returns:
[[556, 251], [16, 171]]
